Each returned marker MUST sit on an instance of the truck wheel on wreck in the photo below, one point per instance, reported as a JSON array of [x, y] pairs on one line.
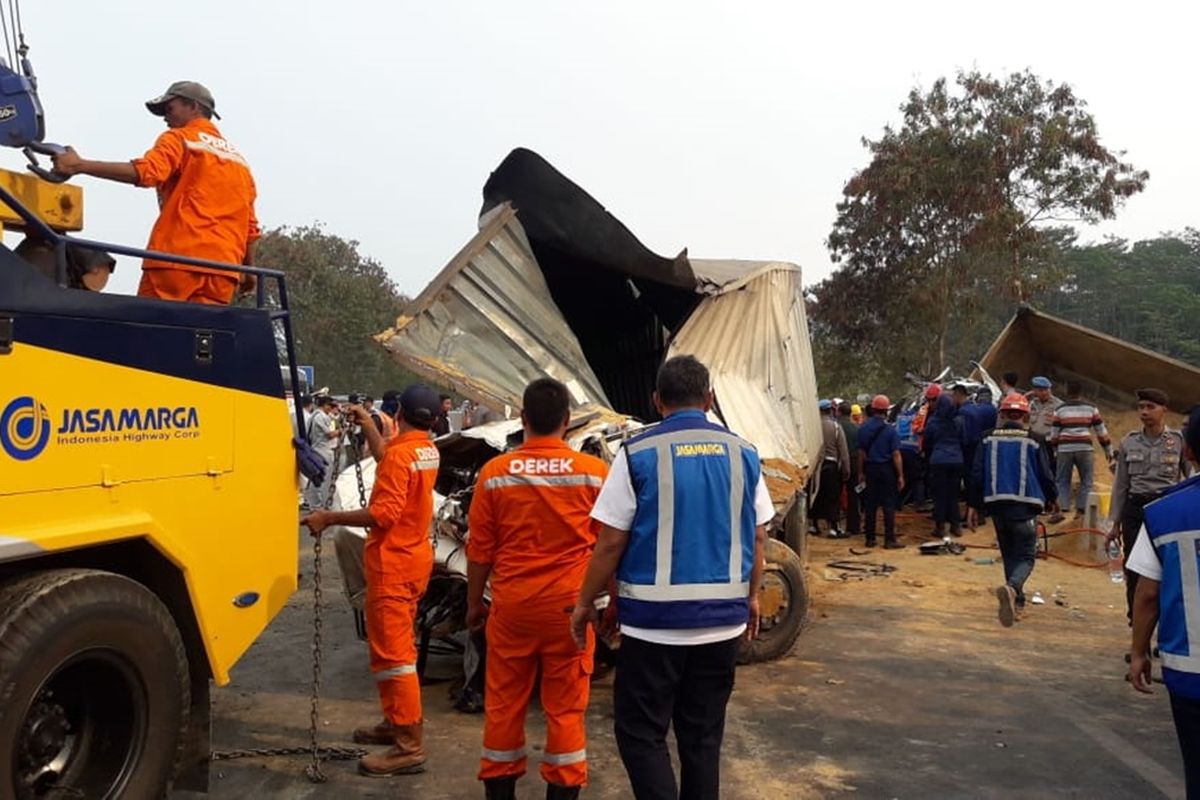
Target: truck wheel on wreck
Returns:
[[94, 681], [783, 603]]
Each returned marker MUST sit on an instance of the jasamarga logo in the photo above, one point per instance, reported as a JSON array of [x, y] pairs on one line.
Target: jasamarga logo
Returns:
[[104, 425]]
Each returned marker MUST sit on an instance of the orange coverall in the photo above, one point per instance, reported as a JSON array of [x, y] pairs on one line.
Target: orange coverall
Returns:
[[397, 561], [206, 210], [531, 521]]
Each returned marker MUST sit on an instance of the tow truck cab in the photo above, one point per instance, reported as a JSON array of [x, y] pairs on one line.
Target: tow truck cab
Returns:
[[147, 514]]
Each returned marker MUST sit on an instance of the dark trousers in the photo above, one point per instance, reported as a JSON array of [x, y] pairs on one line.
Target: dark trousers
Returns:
[[969, 451], [1018, 550], [882, 492], [914, 478], [1186, 711], [1132, 518], [829, 495], [657, 685], [944, 480], [853, 511]]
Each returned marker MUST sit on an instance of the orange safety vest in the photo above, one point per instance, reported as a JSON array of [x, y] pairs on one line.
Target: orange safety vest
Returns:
[[531, 520], [398, 546], [205, 197]]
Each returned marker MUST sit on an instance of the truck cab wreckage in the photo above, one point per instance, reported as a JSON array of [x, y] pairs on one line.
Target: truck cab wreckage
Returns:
[[553, 285]]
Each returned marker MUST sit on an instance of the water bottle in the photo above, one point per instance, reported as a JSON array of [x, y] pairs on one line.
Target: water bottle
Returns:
[[1116, 571]]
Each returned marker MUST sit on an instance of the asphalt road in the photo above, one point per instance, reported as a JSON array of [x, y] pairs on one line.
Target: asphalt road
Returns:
[[900, 687]]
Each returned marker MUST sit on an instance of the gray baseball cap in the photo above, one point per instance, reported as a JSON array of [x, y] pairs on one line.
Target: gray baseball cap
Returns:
[[188, 90]]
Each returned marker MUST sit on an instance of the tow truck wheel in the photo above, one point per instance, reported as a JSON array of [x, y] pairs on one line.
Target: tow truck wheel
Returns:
[[94, 687], [783, 604]]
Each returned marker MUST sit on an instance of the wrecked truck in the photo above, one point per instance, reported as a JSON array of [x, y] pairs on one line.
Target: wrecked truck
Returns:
[[553, 285]]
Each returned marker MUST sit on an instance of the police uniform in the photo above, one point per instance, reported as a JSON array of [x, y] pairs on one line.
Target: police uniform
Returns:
[[1168, 550], [691, 495], [1145, 469]]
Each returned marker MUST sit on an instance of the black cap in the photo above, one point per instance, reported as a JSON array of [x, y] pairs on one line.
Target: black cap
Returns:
[[1157, 396], [390, 403], [420, 405]]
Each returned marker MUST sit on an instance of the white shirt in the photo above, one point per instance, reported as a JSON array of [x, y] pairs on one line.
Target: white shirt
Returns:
[[1143, 559], [616, 506]]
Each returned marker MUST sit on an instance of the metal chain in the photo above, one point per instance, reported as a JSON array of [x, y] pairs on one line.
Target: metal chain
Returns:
[[318, 754]]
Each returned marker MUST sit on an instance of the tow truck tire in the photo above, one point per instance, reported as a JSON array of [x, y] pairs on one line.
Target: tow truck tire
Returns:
[[94, 690], [784, 600]]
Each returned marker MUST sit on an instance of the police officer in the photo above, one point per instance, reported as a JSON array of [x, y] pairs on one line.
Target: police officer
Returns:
[[835, 471], [684, 511], [1012, 481], [1043, 405], [1150, 461], [1165, 556]]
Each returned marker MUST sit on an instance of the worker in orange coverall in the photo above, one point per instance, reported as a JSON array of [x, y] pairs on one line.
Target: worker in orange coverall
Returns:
[[397, 561], [532, 534]]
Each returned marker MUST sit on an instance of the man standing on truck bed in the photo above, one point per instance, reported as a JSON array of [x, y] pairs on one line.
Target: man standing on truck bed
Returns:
[[397, 560], [205, 197], [532, 534]]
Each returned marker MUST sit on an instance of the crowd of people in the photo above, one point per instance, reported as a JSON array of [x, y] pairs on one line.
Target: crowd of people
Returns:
[[1030, 455], [551, 529]]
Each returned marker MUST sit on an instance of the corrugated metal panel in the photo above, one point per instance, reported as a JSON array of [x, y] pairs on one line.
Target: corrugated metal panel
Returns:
[[753, 336], [1036, 343], [486, 323]]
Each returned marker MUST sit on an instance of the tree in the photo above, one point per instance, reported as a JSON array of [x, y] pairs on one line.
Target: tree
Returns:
[[1147, 293], [339, 300], [954, 214]]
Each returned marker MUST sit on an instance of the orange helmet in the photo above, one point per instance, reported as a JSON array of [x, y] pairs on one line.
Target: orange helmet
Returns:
[[880, 402], [1015, 402]]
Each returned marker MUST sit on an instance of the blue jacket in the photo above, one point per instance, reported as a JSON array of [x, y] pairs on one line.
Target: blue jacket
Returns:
[[978, 420], [943, 434], [880, 439], [1011, 475], [1173, 525], [691, 543]]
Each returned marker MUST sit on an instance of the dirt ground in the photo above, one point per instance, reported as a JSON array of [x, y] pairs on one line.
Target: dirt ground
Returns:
[[902, 686]]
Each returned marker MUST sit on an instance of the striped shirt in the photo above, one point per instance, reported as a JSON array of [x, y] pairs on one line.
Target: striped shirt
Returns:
[[1073, 425]]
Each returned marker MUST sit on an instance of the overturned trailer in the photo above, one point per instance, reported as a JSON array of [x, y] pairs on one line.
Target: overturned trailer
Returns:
[[1110, 369], [553, 285]]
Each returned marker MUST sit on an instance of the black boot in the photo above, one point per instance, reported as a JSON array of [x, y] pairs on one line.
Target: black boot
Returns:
[[556, 791], [500, 788]]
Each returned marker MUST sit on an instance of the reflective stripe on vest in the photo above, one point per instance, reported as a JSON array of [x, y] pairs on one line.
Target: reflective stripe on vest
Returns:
[[691, 542], [1173, 525], [1010, 474]]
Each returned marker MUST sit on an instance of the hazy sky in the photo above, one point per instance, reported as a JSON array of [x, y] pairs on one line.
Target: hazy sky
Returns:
[[726, 128]]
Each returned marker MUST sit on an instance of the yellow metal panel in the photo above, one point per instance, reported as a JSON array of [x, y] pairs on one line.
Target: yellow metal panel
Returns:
[[59, 205], [230, 528]]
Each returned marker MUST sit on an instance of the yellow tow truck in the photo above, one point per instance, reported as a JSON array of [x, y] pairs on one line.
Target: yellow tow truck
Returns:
[[147, 512]]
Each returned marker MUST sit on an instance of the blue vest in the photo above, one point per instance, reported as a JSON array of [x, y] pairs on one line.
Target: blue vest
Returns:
[[1010, 468], [691, 544], [1173, 524]]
